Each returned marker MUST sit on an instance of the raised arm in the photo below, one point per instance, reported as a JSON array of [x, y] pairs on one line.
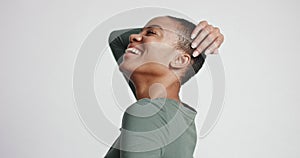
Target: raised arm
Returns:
[[118, 42], [206, 39]]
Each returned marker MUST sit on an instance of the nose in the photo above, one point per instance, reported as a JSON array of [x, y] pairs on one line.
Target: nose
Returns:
[[135, 38]]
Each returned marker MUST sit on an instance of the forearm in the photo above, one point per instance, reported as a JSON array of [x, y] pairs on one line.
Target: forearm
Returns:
[[119, 40]]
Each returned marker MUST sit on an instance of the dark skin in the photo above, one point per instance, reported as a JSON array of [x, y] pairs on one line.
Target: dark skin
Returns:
[[206, 39]]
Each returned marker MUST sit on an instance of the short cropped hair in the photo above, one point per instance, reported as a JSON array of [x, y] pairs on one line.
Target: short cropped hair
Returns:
[[184, 43]]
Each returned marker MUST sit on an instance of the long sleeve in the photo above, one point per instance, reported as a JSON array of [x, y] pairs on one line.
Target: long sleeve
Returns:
[[118, 42], [156, 128], [140, 136]]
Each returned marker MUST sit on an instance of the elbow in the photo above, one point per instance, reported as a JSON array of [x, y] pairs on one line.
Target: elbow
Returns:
[[112, 36]]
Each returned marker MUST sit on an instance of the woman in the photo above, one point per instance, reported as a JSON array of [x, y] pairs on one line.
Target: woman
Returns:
[[157, 60]]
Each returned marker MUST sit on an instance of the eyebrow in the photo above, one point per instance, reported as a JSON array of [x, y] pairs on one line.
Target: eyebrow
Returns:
[[153, 26]]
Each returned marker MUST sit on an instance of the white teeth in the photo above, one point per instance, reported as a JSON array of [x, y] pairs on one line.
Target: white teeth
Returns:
[[134, 51]]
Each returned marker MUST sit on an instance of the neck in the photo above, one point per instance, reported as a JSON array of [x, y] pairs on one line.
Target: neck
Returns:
[[152, 86]]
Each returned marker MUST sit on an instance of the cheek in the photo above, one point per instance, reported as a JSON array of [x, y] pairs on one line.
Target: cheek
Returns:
[[163, 58], [161, 52]]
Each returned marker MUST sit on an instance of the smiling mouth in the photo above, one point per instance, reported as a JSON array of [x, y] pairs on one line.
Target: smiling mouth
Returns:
[[133, 51]]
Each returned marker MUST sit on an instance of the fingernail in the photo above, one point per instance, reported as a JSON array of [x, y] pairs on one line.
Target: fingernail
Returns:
[[195, 53], [193, 36], [207, 52], [193, 45], [216, 51]]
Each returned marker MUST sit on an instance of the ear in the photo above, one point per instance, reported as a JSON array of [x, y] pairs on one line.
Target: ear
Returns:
[[181, 60]]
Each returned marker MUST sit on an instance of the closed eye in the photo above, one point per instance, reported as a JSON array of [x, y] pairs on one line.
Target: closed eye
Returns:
[[150, 32]]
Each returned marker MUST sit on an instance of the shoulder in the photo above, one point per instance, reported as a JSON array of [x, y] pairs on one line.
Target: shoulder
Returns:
[[150, 114], [145, 115], [144, 126]]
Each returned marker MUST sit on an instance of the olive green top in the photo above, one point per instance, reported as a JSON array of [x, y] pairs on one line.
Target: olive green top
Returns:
[[156, 128]]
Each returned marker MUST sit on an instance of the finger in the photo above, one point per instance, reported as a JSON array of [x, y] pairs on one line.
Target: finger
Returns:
[[208, 29], [198, 28], [216, 51], [207, 42], [213, 48]]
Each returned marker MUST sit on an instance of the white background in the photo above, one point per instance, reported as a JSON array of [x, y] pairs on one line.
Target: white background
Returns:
[[40, 41]]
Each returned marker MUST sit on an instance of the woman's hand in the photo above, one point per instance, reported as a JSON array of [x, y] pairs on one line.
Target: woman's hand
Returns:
[[206, 38]]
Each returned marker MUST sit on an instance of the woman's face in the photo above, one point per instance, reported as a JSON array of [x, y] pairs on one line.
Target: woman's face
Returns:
[[152, 49]]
